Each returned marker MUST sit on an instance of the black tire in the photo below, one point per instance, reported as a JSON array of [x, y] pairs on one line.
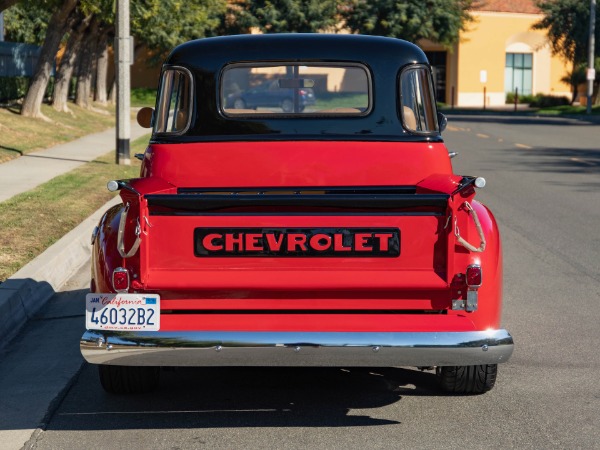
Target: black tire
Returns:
[[239, 103], [128, 380], [287, 105], [467, 379]]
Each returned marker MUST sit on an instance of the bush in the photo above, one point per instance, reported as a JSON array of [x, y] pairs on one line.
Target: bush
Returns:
[[13, 88], [538, 100], [547, 101], [528, 98]]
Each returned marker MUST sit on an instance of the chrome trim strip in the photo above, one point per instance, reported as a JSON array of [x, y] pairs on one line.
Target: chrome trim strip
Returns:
[[228, 348]]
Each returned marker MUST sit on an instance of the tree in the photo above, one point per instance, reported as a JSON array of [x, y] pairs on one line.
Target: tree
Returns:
[[5, 4], [58, 26], [282, 16], [27, 22], [574, 78], [185, 21], [567, 24], [68, 63], [102, 65], [437, 20], [85, 66]]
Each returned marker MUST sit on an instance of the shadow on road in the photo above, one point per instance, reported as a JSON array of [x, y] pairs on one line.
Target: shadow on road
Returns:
[[507, 119], [244, 397], [557, 160]]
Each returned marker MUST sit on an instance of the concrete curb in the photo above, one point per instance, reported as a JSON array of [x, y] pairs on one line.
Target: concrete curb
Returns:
[[23, 294]]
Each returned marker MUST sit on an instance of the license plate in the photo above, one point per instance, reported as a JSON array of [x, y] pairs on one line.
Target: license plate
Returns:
[[122, 312]]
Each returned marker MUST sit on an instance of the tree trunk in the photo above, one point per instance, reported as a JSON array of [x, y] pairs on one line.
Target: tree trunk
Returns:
[[102, 69], [57, 27], [112, 96], [5, 4], [86, 63], [67, 64]]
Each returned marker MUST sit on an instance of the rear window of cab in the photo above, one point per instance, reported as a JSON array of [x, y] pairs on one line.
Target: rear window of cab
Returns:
[[290, 89], [296, 90]]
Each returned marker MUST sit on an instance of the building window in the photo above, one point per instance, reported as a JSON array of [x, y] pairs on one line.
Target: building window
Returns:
[[518, 73]]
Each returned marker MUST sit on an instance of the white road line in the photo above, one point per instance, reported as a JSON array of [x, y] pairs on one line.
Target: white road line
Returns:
[[523, 146], [583, 161], [483, 136]]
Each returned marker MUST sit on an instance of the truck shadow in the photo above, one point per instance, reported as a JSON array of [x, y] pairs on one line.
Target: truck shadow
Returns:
[[244, 397]]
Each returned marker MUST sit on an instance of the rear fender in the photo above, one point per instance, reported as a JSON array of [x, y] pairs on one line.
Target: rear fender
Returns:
[[488, 314], [105, 254]]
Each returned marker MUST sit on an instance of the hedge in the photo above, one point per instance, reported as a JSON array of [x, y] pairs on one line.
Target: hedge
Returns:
[[15, 88]]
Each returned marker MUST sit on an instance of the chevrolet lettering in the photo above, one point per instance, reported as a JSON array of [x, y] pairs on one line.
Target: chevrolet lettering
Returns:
[[297, 242], [296, 206]]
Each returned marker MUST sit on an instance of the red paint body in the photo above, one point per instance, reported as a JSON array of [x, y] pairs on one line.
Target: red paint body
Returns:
[[412, 292]]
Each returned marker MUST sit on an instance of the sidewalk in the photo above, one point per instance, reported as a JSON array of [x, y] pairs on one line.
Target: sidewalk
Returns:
[[30, 170], [24, 293]]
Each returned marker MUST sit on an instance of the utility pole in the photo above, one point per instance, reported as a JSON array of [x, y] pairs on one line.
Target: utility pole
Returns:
[[591, 72], [123, 62]]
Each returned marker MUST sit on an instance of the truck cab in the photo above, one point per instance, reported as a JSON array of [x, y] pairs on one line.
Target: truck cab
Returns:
[[296, 206]]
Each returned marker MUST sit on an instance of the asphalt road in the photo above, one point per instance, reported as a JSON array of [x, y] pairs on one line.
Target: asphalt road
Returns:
[[544, 187]]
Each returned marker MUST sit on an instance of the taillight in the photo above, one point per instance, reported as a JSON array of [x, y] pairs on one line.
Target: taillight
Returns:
[[120, 279], [474, 276]]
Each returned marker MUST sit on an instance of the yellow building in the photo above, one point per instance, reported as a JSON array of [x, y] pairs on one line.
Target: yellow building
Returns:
[[498, 53]]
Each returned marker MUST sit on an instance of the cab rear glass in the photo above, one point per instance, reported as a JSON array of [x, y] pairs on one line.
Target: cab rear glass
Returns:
[[417, 100], [173, 109], [295, 90]]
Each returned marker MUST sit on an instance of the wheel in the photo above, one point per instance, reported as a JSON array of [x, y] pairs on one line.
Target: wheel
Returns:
[[467, 379], [239, 103], [128, 380], [287, 105]]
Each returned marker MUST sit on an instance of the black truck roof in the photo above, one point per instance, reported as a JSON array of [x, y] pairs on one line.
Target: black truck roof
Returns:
[[206, 58]]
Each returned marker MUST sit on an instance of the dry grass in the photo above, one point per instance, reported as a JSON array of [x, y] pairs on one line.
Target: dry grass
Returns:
[[32, 221], [20, 135]]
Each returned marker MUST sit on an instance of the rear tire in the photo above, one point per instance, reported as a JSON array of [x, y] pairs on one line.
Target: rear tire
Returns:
[[128, 380], [239, 103], [287, 105], [467, 379]]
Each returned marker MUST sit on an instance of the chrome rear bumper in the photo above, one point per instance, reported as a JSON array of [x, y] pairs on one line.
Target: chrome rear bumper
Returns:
[[228, 348]]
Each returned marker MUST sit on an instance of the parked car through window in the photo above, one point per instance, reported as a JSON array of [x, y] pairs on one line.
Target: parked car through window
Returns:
[[293, 89]]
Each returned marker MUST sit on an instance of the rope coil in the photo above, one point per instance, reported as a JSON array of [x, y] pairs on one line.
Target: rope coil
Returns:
[[120, 235], [461, 240]]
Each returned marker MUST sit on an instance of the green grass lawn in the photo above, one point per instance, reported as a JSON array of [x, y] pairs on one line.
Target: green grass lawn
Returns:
[[34, 220], [341, 100], [567, 109], [21, 135], [143, 97]]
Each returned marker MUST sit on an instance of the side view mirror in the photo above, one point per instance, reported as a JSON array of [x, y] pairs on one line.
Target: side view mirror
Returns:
[[442, 121], [145, 117]]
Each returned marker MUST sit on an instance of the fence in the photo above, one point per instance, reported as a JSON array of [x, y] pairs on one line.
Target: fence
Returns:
[[18, 60], [17, 63]]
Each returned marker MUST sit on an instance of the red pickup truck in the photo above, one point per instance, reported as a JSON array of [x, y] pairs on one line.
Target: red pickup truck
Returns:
[[296, 206]]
